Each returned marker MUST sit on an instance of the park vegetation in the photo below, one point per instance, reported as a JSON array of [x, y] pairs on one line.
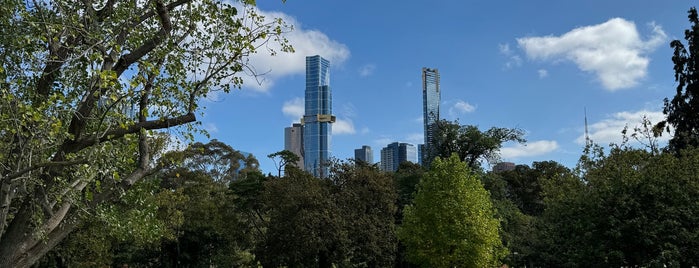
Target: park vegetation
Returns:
[[84, 182]]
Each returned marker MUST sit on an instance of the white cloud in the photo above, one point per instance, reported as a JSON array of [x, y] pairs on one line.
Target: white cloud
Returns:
[[463, 107], [535, 148], [365, 130], [543, 73], [613, 51], [306, 42], [459, 107], [367, 70], [343, 126], [513, 60], [293, 108], [609, 129]]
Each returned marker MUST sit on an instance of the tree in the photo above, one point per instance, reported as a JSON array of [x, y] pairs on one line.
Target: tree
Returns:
[[636, 209], [366, 200], [219, 161], [451, 223], [305, 227], [179, 217], [469, 143], [683, 110], [286, 158], [406, 178], [82, 86], [148, 216], [519, 201]]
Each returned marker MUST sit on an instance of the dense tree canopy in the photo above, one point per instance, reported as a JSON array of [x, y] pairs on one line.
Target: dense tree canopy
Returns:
[[636, 209], [82, 84], [469, 143], [181, 216], [451, 222]]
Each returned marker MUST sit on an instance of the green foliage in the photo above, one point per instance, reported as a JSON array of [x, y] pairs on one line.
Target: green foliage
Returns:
[[636, 209], [346, 220], [518, 198], [683, 110], [406, 178], [451, 223], [366, 198], [305, 228], [139, 220], [183, 217], [83, 88], [286, 158], [469, 143], [218, 161]]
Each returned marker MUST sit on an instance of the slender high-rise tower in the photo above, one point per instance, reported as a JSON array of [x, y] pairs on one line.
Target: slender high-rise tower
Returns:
[[317, 117], [430, 108]]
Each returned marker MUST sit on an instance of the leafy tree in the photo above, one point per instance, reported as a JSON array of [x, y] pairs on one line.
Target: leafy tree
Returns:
[[451, 223], [366, 200], [683, 110], [286, 158], [248, 202], [518, 198], [406, 178], [206, 237], [83, 84], [182, 217], [523, 185], [346, 220], [305, 227], [635, 209], [145, 220], [219, 161], [469, 143]]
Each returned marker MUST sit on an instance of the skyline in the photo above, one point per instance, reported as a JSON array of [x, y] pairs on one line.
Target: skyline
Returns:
[[533, 66]]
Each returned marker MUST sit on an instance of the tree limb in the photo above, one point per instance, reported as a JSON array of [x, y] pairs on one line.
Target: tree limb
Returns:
[[163, 15], [15, 175], [74, 146]]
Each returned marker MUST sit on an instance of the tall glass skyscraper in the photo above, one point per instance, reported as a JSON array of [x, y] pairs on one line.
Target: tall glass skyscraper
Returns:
[[430, 107], [317, 117]]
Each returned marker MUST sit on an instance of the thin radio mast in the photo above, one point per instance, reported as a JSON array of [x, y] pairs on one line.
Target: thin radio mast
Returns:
[[587, 134]]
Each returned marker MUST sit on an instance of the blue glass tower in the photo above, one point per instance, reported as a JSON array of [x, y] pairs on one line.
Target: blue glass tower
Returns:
[[317, 117], [430, 108]]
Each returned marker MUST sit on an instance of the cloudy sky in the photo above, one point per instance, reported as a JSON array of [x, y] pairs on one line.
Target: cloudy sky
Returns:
[[534, 65]]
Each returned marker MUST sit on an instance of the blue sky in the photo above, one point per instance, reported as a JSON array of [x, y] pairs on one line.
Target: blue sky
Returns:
[[534, 65]]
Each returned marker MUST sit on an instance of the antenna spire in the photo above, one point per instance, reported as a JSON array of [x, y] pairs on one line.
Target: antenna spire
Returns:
[[587, 134]]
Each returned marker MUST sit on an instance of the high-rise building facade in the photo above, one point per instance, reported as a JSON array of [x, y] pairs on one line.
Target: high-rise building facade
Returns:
[[504, 166], [317, 116], [293, 141], [430, 107], [395, 153], [364, 154]]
